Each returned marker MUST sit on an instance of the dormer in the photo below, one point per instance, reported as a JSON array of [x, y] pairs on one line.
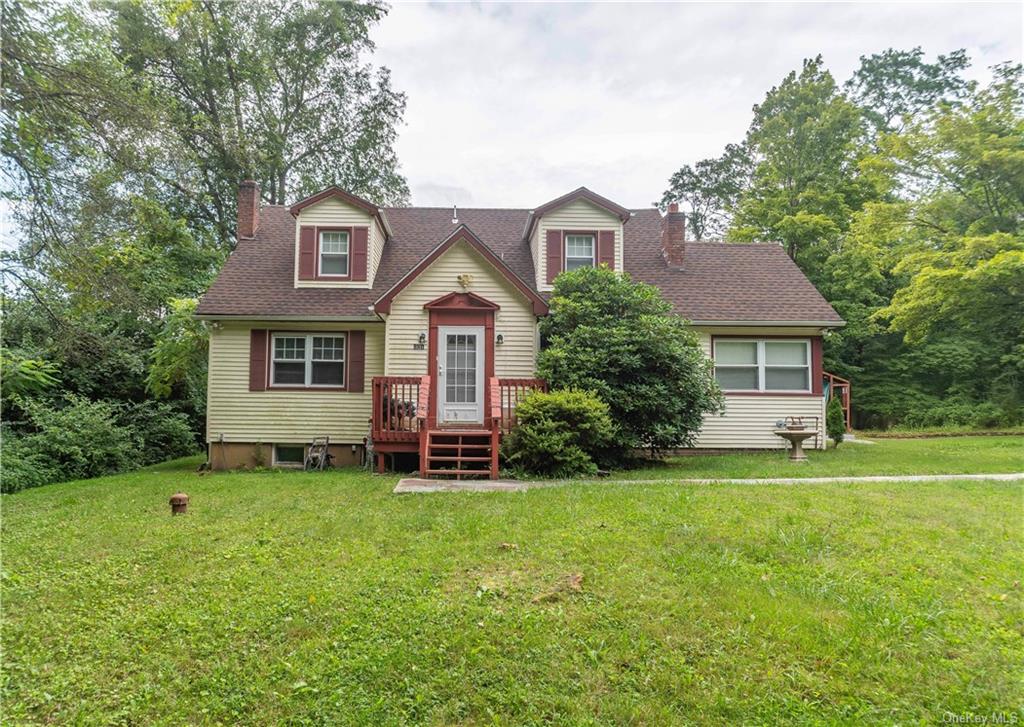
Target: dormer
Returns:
[[576, 230], [339, 239]]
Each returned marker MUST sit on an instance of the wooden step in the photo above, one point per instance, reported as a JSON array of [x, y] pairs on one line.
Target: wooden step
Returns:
[[485, 473], [434, 458]]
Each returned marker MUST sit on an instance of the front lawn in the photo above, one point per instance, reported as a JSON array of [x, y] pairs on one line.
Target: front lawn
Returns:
[[324, 599], [933, 455]]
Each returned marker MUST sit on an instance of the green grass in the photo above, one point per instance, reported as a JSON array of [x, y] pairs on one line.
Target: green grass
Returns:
[[939, 455], [324, 599]]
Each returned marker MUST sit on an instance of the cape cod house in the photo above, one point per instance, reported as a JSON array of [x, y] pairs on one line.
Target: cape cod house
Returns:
[[414, 330]]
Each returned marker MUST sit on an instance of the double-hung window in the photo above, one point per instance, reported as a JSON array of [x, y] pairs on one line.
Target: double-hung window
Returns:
[[579, 251], [307, 359], [763, 365], [334, 247]]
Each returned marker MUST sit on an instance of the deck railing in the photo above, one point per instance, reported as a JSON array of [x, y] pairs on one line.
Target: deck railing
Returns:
[[401, 405], [840, 387], [510, 393], [397, 403]]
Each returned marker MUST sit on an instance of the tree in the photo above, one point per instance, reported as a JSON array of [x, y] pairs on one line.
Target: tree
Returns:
[[894, 86], [805, 184], [620, 340], [835, 421], [277, 92], [179, 358], [709, 190]]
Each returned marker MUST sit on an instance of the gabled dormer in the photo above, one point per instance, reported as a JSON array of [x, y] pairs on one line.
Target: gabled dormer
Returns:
[[576, 230], [339, 239]]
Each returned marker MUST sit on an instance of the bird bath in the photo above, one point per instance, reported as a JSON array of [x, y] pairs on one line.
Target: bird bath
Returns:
[[796, 438]]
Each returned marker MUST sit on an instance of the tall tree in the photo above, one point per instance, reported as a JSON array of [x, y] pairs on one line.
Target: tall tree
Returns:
[[805, 183], [708, 191], [277, 92], [894, 86]]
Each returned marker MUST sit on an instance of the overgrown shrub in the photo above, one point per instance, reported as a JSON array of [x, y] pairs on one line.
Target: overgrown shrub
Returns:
[[957, 414], [559, 434], [164, 433], [22, 467], [622, 341], [82, 438], [835, 421]]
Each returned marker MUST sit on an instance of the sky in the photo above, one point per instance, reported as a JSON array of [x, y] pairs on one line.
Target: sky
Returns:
[[513, 105]]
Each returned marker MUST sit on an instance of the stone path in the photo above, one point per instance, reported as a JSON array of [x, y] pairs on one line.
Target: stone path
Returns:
[[415, 485]]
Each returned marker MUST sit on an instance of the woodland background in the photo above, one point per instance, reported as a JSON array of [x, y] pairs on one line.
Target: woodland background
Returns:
[[127, 126]]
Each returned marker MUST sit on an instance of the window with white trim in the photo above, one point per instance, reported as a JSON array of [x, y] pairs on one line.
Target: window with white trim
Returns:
[[763, 364], [580, 251], [334, 252], [307, 359]]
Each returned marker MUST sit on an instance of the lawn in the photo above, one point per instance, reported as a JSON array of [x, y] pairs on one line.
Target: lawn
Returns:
[[324, 599], [933, 455]]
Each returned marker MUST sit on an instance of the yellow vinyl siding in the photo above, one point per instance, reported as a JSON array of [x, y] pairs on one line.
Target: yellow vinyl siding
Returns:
[[579, 215], [515, 320], [284, 416], [333, 211], [749, 420], [376, 243]]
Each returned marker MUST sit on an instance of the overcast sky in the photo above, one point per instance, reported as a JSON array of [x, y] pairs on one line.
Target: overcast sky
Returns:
[[512, 105]]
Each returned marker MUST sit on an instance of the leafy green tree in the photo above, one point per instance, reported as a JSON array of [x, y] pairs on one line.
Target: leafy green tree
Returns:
[[179, 357], [620, 340], [805, 184], [893, 86], [20, 376], [708, 191], [277, 92]]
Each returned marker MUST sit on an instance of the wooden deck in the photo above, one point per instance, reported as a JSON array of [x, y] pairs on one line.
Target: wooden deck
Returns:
[[405, 421]]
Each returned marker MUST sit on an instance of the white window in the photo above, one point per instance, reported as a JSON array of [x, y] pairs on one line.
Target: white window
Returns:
[[307, 359], [579, 251], [289, 455], [334, 253], [763, 365]]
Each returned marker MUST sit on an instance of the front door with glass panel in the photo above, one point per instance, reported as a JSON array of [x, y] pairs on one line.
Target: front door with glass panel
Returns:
[[460, 374]]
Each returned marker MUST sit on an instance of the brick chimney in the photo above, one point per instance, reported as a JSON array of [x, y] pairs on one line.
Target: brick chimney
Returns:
[[673, 233], [248, 208]]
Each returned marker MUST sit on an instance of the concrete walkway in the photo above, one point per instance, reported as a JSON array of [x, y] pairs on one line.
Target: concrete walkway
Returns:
[[413, 485]]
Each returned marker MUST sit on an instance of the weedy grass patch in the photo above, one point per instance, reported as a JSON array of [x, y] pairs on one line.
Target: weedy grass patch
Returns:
[[325, 599]]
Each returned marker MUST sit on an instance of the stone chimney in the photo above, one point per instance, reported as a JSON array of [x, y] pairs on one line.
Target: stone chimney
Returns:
[[248, 208], [673, 233]]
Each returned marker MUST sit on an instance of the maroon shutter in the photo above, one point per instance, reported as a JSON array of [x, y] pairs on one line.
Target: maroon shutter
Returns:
[[356, 360], [359, 238], [258, 359], [554, 254], [606, 248], [307, 253]]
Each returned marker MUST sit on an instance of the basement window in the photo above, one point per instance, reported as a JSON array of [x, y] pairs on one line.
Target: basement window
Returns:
[[289, 455]]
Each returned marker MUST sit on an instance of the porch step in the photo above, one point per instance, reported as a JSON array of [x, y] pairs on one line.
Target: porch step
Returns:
[[458, 473], [467, 452], [435, 458]]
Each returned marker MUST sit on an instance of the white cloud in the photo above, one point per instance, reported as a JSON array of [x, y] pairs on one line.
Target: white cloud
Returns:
[[512, 105]]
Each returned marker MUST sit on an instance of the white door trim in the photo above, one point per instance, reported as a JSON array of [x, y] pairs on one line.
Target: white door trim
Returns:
[[453, 412]]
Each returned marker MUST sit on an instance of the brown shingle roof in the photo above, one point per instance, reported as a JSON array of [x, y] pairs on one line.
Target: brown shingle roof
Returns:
[[725, 281], [719, 282]]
